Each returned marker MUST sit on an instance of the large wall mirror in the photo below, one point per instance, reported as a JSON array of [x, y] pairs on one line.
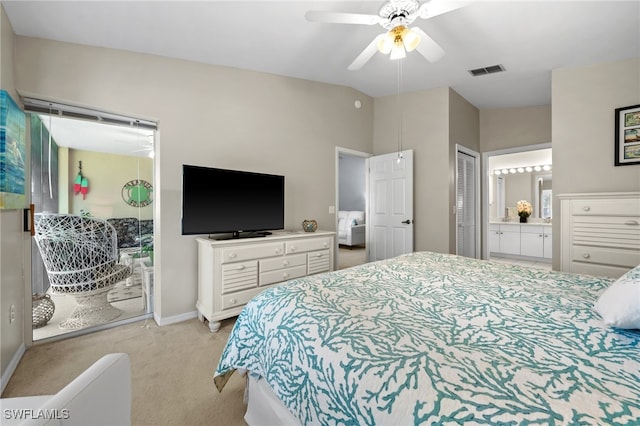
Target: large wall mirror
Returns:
[[520, 176]]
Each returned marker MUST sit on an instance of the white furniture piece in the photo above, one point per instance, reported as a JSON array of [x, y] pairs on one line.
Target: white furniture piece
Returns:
[[600, 233], [101, 395], [504, 238], [526, 240], [231, 272], [351, 227], [80, 255], [536, 241], [147, 285]]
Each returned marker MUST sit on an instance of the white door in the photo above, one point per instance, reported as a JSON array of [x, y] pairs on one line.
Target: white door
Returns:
[[390, 205], [467, 203]]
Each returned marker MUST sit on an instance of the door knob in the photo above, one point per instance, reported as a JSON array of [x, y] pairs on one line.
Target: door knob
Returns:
[[408, 221]]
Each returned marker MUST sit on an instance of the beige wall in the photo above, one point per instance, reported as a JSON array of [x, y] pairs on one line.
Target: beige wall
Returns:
[[107, 174], [426, 132], [433, 122], [14, 244], [464, 129], [584, 100], [503, 128], [210, 116]]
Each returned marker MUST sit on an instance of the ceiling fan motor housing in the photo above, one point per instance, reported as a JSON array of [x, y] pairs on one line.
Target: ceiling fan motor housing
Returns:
[[399, 12]]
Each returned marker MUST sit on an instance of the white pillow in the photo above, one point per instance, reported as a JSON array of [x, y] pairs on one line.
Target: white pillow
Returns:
[[619, 304]]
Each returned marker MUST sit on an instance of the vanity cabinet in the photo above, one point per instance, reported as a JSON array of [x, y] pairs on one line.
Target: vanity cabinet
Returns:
[[536, 241], [504, 238], [232, 272], [515, 239]]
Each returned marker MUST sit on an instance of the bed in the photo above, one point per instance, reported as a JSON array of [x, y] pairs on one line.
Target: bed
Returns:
[[437, 338]]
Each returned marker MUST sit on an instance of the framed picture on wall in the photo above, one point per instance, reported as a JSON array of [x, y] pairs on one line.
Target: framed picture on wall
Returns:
[[13, 153], [627, 142]]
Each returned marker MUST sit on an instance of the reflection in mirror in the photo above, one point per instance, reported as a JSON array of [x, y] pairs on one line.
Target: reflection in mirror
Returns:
[[507, 189]]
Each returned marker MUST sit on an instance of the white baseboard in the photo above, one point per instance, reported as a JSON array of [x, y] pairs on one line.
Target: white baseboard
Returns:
[[11, 368], [174, 319]]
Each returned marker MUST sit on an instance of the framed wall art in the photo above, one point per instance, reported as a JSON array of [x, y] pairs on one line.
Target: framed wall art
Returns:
[[13, 154], [627, 142]]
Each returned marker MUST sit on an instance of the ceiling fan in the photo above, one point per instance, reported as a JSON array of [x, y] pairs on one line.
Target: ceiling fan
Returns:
[[395, 16]]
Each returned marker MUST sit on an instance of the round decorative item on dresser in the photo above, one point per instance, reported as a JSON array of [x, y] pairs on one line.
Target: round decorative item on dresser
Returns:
[[309, 225], [43, 308]]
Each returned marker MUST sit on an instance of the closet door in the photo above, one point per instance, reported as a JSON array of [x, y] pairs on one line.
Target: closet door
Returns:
[[466, 205]]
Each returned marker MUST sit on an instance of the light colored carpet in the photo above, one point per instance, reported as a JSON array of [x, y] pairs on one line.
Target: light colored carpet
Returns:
[[172, 371], [348, 257]]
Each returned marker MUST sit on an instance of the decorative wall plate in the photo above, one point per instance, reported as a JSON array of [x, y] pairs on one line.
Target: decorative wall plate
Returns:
[[137, 193]]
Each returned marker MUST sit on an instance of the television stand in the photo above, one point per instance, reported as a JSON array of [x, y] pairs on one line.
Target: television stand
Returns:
[[232, 272]]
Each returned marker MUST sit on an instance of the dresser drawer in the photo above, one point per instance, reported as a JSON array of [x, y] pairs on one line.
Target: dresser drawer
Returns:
[[267, 265], [319, 261], [239, 298], [235, 254], [597, 270], [310, 244], [605, 256], [617, 207], [607, 231], [271, 277], [239, 276]]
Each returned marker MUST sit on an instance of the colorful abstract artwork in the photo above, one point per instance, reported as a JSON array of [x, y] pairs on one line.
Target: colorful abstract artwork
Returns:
[[12, 153]]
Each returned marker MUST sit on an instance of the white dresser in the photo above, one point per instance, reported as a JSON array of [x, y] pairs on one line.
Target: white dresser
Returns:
[[231, 272], [600, 233]]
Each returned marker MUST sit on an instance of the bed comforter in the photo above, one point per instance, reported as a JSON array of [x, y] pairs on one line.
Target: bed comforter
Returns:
[[436, 338]]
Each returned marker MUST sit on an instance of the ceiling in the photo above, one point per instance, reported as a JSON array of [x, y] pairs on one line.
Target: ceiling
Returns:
[[529, 38], [99, 137]]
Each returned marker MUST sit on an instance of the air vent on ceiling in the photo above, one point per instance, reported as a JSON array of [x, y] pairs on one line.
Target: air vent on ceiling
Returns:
[[486, 70]]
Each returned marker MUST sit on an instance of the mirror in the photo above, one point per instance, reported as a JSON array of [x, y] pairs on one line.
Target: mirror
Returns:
[[524, 175]]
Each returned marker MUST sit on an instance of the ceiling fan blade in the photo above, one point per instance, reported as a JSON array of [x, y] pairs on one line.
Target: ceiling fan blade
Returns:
[[433, 8], [341, 18], [427, 47], [366, 54]]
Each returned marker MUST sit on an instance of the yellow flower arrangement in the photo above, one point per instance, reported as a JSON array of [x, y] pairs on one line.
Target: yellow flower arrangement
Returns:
[[524, 208]]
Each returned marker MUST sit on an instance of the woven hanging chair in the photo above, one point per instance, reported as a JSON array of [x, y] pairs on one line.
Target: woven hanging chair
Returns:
[[80, 255]]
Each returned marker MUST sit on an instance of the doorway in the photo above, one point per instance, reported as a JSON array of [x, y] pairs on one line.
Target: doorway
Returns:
[[508, 176], [101, 167], [351, 206]]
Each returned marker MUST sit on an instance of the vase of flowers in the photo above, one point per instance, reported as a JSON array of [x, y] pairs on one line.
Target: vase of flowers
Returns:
[[524, 210]]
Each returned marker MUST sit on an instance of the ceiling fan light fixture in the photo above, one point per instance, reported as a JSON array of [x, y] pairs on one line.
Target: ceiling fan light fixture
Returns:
[[397, 52], [385, 44], [410, 39]]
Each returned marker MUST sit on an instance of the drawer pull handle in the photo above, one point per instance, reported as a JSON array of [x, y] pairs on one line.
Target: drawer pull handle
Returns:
[[325, 245], [232, 255], [241, 267], [586, 255], [232, 301], [285, 275], [277, 251], [631, 222], [539, 235], [293, 248], [586, 208], [285, 263]]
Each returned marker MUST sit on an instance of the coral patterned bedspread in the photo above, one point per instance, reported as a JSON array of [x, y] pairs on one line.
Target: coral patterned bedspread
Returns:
[[436, 338]]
